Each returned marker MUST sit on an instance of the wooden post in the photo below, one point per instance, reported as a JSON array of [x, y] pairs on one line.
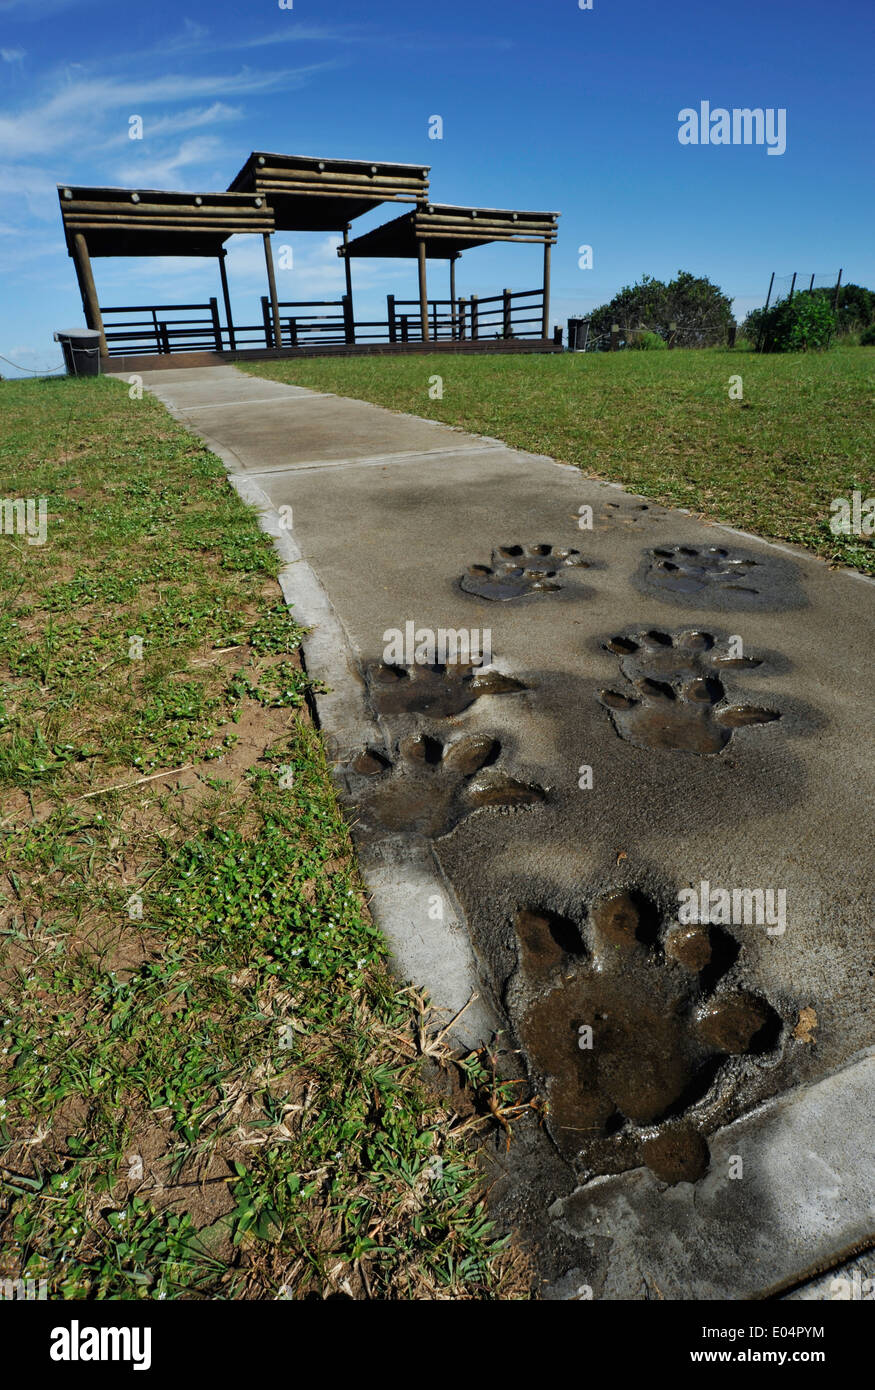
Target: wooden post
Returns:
[[462, 303], [506, 326], [733, 329], [811, 284], [348, 268], [792, 286], [452, 296], [434, 320], [348, 323], [232, 341], [390, 309], [835, 304], [769, 295], [274, 301], [545, 321], [265, 315], [217, 326], [672, 334], [87, 289], [423, 292], [615, 337], [404, 334], [475, 321], [293, 332], [557, 335]]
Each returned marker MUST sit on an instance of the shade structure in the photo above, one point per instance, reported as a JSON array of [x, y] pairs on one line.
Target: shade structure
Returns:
[[309, 194], [156, 222], [442, 231], [448, 230]]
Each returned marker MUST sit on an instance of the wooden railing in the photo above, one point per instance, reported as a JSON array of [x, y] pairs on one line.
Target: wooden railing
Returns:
[[502, 315], [158, 332], [322, 322]]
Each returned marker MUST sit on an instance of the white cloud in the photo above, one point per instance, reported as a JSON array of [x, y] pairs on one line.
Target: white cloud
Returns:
[[161, 173], [12, 55], [69, 116]]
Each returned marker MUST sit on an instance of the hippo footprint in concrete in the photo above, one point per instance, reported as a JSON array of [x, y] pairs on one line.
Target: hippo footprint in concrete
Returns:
[[518, 570], [680, 702], [432, 785], [630, 513], [437, 689], [625, 1026], [691, 569]]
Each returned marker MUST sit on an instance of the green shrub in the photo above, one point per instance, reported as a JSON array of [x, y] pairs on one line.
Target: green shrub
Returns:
[[793, 325], [648, 342], [867, 337]]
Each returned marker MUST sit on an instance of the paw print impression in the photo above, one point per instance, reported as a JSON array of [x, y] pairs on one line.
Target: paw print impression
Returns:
[[438, 689], [431, 786], [687, 569], [518, 570], [626, 1025], [679, 701]]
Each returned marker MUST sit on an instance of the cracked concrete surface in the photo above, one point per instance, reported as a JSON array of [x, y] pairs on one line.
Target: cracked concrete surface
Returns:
[[692, 705]]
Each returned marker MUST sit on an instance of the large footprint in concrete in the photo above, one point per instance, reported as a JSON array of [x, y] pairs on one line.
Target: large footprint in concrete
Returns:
[[680, 702], [432, 785], [438, 689], [625, 1022], [721, 576], [518, 570]]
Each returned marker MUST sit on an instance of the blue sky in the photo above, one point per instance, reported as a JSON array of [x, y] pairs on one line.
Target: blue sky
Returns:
[[545, 106]]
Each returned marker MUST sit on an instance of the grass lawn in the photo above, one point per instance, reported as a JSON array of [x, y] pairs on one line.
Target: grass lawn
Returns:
[[211, 1085], [662, 423]]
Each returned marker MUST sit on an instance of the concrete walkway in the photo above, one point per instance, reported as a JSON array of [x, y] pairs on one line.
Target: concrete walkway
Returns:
[[669, 704]]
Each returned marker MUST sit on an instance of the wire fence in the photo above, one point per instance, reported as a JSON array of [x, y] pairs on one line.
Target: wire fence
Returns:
[[785, 286]]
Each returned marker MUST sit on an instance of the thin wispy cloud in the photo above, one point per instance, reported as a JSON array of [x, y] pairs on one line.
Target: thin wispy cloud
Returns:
[[165, 172], [74, 113], [13, 55], [195, 118]]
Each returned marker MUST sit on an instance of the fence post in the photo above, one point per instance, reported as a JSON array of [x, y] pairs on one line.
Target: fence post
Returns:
[[733, 329], [348, 324], [293, 332], [462, 303], [769, 295], [164, 336], [672, 334], [506, 330], [268, 330], [792, 287], [434, 316], [475, 323], [217, 327], [404, 328], [557, 335], [615, 337], [390, 307], [835, 307]]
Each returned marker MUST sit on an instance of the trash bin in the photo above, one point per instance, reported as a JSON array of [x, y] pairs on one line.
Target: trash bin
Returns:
[[577, 334], [81, 349]]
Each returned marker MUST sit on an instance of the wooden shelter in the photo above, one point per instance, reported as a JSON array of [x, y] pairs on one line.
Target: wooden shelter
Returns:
[[309, 194], [301, 193], [442, 231], [152, 222]]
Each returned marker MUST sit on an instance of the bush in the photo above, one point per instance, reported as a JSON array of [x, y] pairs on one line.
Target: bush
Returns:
[[700, 309], [867, 337], [647, 342], [793, 325]]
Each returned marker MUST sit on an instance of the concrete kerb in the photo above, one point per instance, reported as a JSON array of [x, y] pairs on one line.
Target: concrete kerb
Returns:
[[403, 874]]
